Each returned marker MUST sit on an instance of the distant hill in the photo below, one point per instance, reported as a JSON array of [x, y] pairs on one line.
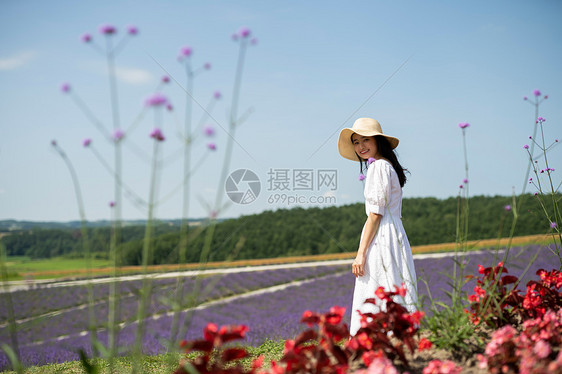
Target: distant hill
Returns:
[[14, 225], [289, 232]]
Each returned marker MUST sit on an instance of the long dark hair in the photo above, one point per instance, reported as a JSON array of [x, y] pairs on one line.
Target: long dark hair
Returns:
[[385, 150]]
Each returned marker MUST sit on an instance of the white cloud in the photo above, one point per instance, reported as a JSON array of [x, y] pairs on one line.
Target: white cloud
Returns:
[[329, 194], [124, 74], [133, 75], [17, 60]]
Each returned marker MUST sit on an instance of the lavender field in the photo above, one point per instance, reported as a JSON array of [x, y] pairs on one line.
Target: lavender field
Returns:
[[52, 322]]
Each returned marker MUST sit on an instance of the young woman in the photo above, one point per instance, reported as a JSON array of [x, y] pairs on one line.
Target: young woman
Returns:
[[384, 257]]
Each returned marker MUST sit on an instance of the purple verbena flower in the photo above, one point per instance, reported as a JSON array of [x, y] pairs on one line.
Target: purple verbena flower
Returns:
[[209, 130], [540, 120], [169, 107], [165, 79], [107, 29], [111, 204], [207, 66], [525, 98], [185, 51], [553, 225], [371, 160], [157, 134], [244, 32], [86, 38], [234, 36], [507, 208], [545, 97], [132, 30], [461, 186], [464, 125], [536, 92], [254, 41], [536, 193], [118, 135], [526, 146], [361, 177], [53, 142], [465, 181], [530, 137], [87, 142], [217, 94], [212, 146], [156, 99], [65, 87]]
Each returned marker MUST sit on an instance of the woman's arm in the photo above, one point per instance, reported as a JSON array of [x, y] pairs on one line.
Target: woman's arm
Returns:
[[371, 227]]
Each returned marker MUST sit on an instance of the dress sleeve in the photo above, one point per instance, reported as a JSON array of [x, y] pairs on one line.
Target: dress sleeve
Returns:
[[377, 187]]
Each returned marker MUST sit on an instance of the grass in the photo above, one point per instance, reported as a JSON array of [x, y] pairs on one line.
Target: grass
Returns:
[[159, 364], [21, 268]]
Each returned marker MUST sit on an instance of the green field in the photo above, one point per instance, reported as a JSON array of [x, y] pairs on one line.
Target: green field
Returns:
[[21, 267]]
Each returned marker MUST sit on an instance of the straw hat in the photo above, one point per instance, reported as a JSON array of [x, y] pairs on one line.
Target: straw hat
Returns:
[[365, 127]]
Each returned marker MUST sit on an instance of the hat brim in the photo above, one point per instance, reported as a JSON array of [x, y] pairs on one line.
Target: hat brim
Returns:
[[346, 148]]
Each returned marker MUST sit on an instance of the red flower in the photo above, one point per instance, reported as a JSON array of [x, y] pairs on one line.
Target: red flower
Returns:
[[364, 340], [424, 344], [210, 332], [380, 293]]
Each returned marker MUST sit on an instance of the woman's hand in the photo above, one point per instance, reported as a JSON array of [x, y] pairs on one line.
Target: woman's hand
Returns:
[[358, 266]]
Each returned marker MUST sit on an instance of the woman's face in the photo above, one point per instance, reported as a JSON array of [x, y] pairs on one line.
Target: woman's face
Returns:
[[365, 146]]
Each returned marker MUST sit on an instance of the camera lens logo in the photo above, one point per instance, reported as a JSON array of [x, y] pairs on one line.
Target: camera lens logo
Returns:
[[242, 186]]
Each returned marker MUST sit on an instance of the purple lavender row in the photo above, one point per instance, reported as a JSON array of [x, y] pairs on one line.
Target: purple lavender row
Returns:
[[44, 300], [269, 315], [76, 320]]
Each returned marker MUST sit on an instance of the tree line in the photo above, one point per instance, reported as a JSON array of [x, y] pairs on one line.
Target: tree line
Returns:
[[289, 232]]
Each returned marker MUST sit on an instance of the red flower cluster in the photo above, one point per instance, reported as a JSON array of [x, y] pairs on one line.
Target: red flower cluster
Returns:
[[215, 358], [492, 301], [542, 295], [377, 329], [377, 343]]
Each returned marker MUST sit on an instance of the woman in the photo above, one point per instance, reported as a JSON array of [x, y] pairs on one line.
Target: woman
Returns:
[[384, 257]]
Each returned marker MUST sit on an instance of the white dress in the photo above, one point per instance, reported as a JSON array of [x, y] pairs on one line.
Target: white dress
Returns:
[[389, 257]]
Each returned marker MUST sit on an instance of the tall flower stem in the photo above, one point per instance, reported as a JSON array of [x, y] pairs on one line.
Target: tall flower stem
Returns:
[[87, 248], [462, 228], [532, 150], [116, 232], [146, 260], [184, 229], [226, 164]]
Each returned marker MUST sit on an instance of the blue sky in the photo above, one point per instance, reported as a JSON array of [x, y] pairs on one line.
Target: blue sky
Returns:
[[315, 65]]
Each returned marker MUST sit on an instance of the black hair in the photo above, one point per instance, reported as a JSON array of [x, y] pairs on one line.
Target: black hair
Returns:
[[385, 150]]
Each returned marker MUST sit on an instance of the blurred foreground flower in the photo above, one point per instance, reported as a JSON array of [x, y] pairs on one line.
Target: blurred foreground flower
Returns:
[[118, 135], [107, 29], [65, 87], [132, 30], [156, 99], [464, 125], [157, 134]]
